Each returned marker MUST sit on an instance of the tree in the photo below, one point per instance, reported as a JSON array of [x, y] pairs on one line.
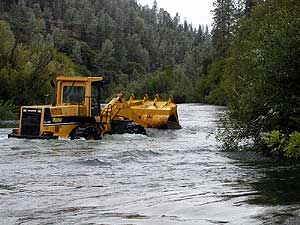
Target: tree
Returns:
[[263, 84], [137, 53], [223, 26], [249, 5], [7, 42], [105, 57]]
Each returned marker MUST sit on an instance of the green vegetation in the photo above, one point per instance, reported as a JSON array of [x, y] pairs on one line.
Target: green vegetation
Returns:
[[25, 71], [135, 47], [258, 78], [288, 146], [166, 83], [8, 110]]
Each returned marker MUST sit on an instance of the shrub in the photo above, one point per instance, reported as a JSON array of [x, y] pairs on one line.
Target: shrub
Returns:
[[8, 110], [275, 141], [292, 149], [288, 146]]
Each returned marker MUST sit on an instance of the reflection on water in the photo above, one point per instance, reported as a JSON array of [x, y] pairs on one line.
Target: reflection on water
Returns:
[[276, 186], [279, 186], [165, 177]]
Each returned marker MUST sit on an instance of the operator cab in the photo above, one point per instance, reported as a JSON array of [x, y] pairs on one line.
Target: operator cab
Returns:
[[85, 92], [97, 97]]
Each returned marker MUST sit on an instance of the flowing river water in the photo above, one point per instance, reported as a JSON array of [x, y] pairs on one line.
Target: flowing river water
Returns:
[[165, 177]]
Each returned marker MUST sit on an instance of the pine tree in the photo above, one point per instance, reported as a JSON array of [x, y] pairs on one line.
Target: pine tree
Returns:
[[249, 5], [223, 26]]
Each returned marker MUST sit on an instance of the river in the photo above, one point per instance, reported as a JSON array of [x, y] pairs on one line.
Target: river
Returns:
[[165, 177]]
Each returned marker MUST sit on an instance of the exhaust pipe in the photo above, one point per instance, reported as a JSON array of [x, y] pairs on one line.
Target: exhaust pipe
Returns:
[[53, 96]]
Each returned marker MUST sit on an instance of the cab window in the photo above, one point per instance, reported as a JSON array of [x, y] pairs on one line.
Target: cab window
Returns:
[[74, 94]]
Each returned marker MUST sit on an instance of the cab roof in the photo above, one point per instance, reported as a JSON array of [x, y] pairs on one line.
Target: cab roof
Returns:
[[77, 78]]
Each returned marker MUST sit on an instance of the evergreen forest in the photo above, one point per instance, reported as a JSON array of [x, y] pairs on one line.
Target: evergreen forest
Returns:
[[139, 49], [249, 61]]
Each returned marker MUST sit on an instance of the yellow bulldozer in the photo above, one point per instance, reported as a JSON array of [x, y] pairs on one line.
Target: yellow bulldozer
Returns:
[[76, 112]]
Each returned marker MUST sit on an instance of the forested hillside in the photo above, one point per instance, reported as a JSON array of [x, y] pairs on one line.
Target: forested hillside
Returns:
[[138, 48]]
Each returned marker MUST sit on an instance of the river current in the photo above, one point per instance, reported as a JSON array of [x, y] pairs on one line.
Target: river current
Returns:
[[165, 177]]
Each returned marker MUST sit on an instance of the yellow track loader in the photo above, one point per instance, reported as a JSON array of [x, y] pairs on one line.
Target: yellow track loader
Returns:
[[77, 112]]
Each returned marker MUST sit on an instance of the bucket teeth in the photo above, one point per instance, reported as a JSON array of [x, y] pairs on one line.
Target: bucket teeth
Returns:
[[171, 99], [131, 98], [157, 98], [146, 98]]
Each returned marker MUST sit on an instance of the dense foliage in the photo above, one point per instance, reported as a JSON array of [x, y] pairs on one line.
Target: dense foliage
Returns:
[[118, 39], [7, 110], [259, 77], [288, 146], [25, 69]]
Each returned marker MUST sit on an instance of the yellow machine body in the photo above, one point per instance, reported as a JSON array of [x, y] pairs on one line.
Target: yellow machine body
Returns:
[[76, 112]]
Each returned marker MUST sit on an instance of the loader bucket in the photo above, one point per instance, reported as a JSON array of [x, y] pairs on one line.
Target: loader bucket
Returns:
[[155, 113]]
